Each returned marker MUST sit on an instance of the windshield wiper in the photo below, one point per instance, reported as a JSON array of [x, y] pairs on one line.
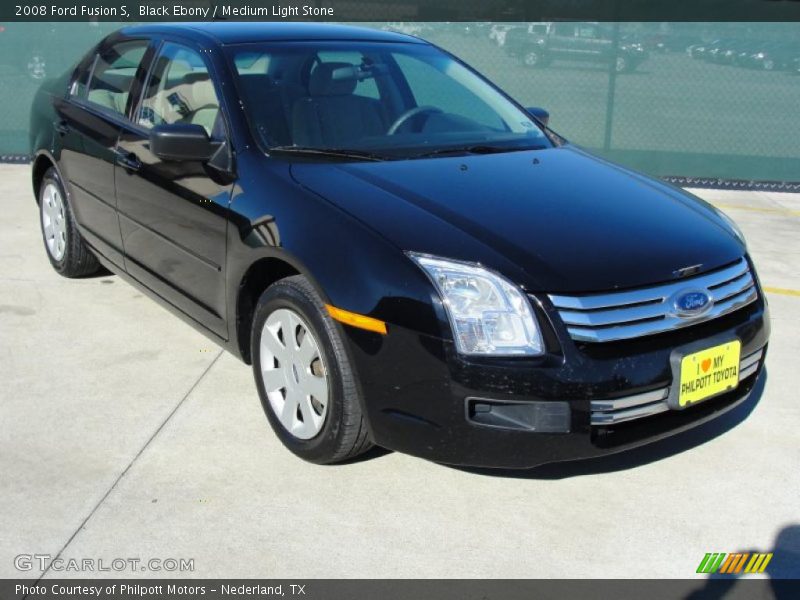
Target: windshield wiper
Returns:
[[333, 152], [476, 149]]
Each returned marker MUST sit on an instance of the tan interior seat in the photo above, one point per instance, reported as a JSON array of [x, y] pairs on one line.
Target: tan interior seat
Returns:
[[115, 101], [191, 99], [202, 101]]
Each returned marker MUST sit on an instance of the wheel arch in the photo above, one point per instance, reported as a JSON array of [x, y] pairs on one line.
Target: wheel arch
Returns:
[[42, 162], [260, 275]]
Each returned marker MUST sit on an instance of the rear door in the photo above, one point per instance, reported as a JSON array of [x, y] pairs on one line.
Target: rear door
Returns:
[[173, 214], [89, 121]]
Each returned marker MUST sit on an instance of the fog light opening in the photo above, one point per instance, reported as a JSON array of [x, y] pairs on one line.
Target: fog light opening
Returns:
[[537, 417]]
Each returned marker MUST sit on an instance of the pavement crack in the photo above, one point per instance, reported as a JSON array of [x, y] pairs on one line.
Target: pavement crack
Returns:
[[130, 464]]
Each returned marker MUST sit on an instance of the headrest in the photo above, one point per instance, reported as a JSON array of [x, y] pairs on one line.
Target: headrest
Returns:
[[333, 79]]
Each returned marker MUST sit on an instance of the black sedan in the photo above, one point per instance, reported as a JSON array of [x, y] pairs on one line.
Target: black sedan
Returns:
[[405, 255], [771, 56]]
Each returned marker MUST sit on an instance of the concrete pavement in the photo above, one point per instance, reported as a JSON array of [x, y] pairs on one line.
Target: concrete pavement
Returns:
[[124, 433]]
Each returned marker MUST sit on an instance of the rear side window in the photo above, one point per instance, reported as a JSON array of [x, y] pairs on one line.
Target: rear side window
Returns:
[[80, 80], [113, 74]]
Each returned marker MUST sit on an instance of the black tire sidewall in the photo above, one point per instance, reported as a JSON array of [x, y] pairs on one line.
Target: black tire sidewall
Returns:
[[285, 295]]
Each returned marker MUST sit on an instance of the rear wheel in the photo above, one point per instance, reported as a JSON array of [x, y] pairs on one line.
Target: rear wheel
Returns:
[[303, 375], [65, 247]]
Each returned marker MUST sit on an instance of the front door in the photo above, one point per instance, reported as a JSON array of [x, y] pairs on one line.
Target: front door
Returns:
[[173, 214]]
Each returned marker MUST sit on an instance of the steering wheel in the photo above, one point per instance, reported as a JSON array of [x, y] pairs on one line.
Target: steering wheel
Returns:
[[410, 113]]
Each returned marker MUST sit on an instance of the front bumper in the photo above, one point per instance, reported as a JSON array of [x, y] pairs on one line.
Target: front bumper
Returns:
[[417, 391]]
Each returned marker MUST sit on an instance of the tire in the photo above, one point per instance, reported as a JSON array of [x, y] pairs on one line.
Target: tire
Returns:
[[320, 432], [532, 58], [622, 64], [769, 65], [68, 253]]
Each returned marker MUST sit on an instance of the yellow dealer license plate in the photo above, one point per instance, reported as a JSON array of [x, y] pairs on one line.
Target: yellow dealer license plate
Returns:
[[709, 372]]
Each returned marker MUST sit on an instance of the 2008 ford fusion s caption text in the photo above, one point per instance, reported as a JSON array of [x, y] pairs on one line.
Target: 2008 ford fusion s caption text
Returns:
[[405, 255]]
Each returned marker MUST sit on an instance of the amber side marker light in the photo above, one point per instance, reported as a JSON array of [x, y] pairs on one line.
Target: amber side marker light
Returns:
[[356, 320]]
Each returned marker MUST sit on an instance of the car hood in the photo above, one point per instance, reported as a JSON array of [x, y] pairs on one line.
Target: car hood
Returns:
[[554, 220]]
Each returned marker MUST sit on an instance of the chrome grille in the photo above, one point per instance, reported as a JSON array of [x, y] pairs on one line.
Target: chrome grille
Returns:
[[636, 313], [619, 410]]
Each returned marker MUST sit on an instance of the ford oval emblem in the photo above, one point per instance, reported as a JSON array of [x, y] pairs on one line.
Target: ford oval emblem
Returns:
[[691, 303]]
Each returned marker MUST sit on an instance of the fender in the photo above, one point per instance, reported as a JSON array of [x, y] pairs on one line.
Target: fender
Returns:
[[351, 266]]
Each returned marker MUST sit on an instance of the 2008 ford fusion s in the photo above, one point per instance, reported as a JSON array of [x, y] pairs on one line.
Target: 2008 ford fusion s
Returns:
[[406, 256]]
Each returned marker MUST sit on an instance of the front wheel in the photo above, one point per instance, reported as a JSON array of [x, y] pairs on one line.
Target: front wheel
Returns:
[[65, 247], [303, 375], [622, 64]]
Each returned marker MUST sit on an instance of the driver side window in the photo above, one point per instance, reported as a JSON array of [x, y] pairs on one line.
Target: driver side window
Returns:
[[180, 90]]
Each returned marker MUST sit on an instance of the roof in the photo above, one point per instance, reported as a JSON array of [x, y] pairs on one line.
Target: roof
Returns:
[[234, 32]]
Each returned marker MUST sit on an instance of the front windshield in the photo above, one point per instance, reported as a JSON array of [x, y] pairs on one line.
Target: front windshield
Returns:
[[393, 100]]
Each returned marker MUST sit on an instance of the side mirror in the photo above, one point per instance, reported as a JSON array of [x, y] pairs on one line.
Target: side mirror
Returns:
[[182, 141], [540, 113]]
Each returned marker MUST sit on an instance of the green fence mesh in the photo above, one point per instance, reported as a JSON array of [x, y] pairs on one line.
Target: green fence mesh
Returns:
[[708, 99]]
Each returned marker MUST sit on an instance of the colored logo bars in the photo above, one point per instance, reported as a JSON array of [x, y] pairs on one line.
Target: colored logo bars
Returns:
[[734, 563]]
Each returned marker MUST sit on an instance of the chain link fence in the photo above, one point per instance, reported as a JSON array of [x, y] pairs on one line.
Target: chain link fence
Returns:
[[690, 100]]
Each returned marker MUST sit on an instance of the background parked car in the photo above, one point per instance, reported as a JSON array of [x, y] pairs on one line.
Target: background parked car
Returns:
[[541, 43], [721, 50], [771, 56], [674, 43], [729, 53], [702, 49]]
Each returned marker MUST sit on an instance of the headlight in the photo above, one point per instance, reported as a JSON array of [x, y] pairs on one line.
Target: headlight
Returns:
[[490, 316], [734, 227]]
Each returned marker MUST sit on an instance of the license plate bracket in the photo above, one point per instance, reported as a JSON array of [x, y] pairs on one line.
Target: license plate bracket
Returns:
[[704, 370]]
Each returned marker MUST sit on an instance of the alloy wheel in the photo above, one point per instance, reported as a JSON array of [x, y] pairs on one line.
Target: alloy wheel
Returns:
[[54, 221], [294, 374]]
